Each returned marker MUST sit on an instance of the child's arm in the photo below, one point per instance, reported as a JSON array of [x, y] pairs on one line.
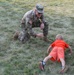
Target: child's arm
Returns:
[[70, 49], [48, 50]]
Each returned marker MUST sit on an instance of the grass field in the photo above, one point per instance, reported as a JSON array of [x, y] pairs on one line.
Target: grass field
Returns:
[[23, 59]]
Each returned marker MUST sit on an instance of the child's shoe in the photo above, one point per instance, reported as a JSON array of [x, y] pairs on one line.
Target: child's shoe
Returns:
[[41, 65]]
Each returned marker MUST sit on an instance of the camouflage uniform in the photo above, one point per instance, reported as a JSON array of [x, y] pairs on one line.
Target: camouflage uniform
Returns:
[[36, 22], [31, 16]]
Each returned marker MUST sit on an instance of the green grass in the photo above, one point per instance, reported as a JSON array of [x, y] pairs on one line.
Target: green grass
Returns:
[[23, 59]]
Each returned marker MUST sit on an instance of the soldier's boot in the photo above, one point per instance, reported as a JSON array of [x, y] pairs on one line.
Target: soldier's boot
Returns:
[[15, 36]]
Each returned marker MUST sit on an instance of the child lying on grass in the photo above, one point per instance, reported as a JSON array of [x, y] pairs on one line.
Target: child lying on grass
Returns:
[[57, 53]]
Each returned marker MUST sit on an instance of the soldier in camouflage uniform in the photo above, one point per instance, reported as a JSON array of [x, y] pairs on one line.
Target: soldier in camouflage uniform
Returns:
[[31, 19]]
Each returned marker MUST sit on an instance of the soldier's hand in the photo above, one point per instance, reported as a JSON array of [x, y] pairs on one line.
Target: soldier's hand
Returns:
[[42, 26], [40, 35]]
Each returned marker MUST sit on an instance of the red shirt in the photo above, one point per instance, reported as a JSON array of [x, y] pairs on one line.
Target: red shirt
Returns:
[[60, 43]]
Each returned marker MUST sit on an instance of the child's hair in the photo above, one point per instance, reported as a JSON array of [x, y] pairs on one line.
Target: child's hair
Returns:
[[59, 36]]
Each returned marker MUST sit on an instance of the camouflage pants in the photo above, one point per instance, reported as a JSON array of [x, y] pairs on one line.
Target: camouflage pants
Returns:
[[27, 29]]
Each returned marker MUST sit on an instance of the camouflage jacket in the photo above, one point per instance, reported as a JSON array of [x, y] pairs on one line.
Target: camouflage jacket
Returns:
[[30, 16]]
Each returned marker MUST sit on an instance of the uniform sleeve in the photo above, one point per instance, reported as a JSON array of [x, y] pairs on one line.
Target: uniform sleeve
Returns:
[[30, 16], [27, 16], [23, 19], [31, 31]]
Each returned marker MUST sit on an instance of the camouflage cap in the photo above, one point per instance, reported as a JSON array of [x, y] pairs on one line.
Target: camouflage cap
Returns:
[[39, 8]]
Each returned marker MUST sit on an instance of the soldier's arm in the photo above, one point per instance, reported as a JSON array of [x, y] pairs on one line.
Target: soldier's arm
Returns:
[[23, 20], [30, 21], [30, 30], [27, 17]]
